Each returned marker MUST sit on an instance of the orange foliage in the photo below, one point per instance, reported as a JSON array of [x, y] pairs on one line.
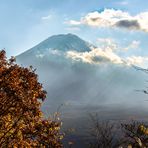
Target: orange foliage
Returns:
[[21, 121]]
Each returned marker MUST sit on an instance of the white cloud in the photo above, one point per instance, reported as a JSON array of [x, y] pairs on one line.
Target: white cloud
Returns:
[[115, 19], [48, 17], [123, 3], [95, 56], [136, 60], [73, 22], [55, 52], [107, 42], [108, 17], [112, 44], [40, 55], [73, 29], [134, 45], [106, 55]]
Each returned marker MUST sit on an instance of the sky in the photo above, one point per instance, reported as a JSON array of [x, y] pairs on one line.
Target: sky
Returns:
[[120, 25]]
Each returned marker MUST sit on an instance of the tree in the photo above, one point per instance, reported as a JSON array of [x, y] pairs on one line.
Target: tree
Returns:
[[21, 121], [135, 134], [103, 133]]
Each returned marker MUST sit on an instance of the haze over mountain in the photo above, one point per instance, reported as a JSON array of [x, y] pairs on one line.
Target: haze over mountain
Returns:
[[73, 81]]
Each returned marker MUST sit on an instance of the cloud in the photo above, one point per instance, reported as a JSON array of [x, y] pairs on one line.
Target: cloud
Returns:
[[55, 52], [48, 17], [123, 3], [137, 60], [130, 24], [95, 56], [40, 55], [108, 53], [49, 51], [107, 43], [134, 45], [108, 17], [114, 19], [99, 56], [73, 29], [112, 44], [73, 22]]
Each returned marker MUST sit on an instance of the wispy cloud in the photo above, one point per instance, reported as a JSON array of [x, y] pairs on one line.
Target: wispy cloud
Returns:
[[107, 43], [113, 45], [73, 29], [48, 17], [134, 45], [114, 19], [123, 3], [73, 22], [136, 60]]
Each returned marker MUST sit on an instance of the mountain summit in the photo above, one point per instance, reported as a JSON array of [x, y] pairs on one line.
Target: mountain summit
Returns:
[[62, 42]]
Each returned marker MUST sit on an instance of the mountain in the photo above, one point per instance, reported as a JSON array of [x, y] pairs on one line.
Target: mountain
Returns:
[[53, 49], [84, 88], [75, 82]]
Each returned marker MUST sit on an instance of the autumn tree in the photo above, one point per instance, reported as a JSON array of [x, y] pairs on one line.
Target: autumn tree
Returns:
[[22, 123]]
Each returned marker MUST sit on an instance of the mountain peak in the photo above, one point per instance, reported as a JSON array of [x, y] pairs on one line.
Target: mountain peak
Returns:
[[68, 35], [65, 42], [62, 42], [55, 44]]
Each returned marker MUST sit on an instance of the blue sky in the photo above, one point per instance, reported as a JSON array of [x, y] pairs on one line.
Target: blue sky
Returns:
[[26, 23]]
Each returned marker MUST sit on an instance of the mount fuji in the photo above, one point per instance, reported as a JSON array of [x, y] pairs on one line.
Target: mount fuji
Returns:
[[81, 87], [75, 82]]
